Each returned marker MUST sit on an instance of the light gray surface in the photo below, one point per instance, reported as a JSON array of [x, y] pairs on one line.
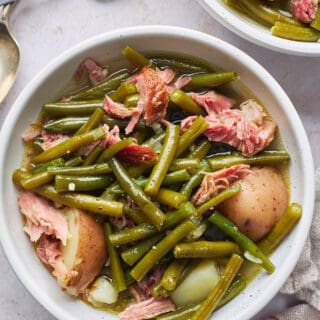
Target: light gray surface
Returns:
[[45, 28]]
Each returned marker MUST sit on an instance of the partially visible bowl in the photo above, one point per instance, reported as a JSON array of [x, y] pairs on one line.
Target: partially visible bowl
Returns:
[[257, 34], [53, 78]]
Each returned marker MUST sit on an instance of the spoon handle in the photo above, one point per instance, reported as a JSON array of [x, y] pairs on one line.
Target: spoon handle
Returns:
[[7, 5]]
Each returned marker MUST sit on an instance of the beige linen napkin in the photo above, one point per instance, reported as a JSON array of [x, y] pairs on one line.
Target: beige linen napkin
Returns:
[[304, 282]]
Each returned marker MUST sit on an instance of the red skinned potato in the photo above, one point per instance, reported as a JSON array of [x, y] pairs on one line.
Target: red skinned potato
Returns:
[[85, 252], [259, 205]]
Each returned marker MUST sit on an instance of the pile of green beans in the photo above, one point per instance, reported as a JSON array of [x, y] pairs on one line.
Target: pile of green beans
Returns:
[[146, 211]]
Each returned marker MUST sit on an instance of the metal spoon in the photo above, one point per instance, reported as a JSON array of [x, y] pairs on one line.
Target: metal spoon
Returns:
[[9, 51]]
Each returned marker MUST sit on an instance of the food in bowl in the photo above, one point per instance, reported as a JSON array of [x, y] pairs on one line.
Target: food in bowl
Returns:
[[290, 19], [150, 194]]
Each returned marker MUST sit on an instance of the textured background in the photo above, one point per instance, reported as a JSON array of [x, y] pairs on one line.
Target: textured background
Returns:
[[45, 28]]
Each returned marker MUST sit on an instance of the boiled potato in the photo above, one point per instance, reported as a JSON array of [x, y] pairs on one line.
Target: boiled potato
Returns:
[[85, 252], [197, 285], [259, 205]]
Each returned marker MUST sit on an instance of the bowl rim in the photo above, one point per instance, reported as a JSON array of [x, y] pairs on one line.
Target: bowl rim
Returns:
[[250, 31], [156, 30]]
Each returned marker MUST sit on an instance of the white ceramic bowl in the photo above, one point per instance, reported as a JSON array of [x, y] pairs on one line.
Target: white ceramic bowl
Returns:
[[250, 30], [46, 86]]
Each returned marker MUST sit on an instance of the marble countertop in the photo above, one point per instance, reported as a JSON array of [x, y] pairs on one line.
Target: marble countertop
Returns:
[[45, 28]]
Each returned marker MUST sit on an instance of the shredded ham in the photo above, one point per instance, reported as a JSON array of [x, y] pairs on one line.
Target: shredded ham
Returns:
[[30, 134], [42, 218], [215, 182], [51, 139], [147, 309], [95, 72], [117, 110], [136, 154], [304, 10], [167, 75], [182, 82]]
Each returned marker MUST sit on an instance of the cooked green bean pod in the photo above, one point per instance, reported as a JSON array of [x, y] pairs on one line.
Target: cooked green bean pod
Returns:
[[83, 201], [73, 162], [36, 180], [155, 140], [185, 103], [281, 229], [44, 166], [185, 163], [114, 149], [205, 249], [72, 108], [251, 249], [118, 279], [172, 274], [73, 183], [161, 249], [132, 100], [166, 156], [135, 57], [133, 254], [182, 313], [92, 157], [198, 127], [212, 301], [92, 170], [151, 211], [66, 125], [124, 90], [92, 123], [134, 213], [201, 149], [220, 197], [111, 122], [205, 80], [158, 291], [170, 198], [291, 32], [100, 90], [315, 24], [263, 158], [69, 145]]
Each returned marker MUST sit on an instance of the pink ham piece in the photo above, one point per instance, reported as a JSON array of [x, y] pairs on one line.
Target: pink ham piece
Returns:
[[30, 134], [182, 82], [215, 182], [42, 218], [153, 99], [117, 110], [95, 72], [136, 154], [51, 139], [304, 10], [167, 75], [147, 309]]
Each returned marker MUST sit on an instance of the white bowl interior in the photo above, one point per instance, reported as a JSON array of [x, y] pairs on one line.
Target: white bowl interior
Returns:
[[55, 77], [252, 31]]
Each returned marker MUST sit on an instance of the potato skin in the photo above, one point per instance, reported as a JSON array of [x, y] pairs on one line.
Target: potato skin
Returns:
[[91, 253], [259, 205]]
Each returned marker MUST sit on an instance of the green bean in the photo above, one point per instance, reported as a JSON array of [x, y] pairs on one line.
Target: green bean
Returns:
[[133, 254], [43, 167], [161, 249], [266, 14], [92, 157], [145, 230], [73, 162], [213, 299], [237, 286], [176, 177], [170, 198], [136, 58], [181, 65], [197, 233], [185, 163], [185, 103], [124, 90], [281, 229], [111, 122], [132, 100], [263, 158], [139, 170], [92, 123], [167, 153], [205, 249], [72, 108], [220, 197], [158, 291], [251, 249], [82, 183], [69, 145], [83, 201], [18, 175], [101, 89], [37, 144], [114, 149], [287, 31], [135, 214], [66, 125], [198, 127], [151, 211], [172, 274], [205, 80], [155, 140], [315, 24], [182, 313], [201, 149], [92, 170], [118, 279], [36, 180]]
